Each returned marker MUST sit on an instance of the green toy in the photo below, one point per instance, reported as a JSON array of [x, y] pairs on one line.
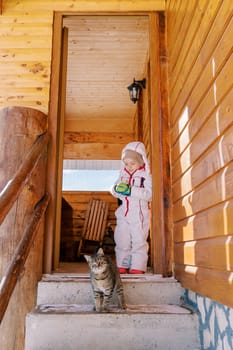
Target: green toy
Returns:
[[123, 188]]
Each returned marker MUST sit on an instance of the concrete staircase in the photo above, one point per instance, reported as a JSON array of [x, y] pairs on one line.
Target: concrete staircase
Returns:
[[64, 318]]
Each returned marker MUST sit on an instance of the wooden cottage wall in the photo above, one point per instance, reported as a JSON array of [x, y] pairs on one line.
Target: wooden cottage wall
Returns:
[[199, 35], [26, 43], [25, 55], [26, 30], [74, 209]]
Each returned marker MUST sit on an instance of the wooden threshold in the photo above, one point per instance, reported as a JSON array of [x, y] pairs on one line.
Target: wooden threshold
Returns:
[[81, 268]]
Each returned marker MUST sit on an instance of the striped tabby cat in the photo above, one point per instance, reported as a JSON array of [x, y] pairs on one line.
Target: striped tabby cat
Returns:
[[105, 278]]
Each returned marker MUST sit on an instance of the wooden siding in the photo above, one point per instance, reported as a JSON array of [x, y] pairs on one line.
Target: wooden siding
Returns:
[[26, 42], [201, 108], [101, 51]]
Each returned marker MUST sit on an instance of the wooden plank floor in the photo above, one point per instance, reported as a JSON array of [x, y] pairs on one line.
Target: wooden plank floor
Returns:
[[72, 267], [79, 268]]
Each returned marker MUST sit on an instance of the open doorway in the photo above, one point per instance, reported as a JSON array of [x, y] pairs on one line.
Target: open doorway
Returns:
[[95, 118], [104, 55]]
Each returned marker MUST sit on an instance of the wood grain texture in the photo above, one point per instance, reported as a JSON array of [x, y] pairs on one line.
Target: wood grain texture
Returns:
[[216, 156], [96, 137], [70, 6], [158, 238], [20, 256], [213, 222], [74, 207], [99, 150], [20, 127], [102, 47], [216, 189], [213, 252], [105, 38], [214, 284], [210, 55], [201, 145]]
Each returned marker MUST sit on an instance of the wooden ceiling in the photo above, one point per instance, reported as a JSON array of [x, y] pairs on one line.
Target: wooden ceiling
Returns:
[[105, 53]]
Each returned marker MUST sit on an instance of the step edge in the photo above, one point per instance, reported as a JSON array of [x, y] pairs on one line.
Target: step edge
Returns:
[[67, 309], [124, 278]]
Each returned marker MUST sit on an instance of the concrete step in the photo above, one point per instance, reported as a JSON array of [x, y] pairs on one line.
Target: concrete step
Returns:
[[141, 327], [139, 289]]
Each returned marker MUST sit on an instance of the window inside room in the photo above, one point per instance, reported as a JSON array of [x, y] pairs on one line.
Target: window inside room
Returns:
[[89, 175]]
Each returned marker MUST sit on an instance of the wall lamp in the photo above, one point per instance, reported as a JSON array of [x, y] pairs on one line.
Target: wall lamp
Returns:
[[135, 89]]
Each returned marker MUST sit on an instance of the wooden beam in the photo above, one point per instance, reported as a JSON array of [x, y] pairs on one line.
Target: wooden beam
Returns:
[[93, 125], [167, 195], [60, 151], [93, 151], [158, 240], [53, 150], [98, 137], [129, 6]]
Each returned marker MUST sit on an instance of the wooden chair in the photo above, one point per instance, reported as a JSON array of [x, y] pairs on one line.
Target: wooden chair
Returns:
[[94, 225]]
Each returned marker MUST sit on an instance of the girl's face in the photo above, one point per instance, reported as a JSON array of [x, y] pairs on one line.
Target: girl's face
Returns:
[[131, 165]]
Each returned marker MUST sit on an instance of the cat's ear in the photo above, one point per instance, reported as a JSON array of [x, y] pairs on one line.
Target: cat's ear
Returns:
[[100, 251], [87, 257]]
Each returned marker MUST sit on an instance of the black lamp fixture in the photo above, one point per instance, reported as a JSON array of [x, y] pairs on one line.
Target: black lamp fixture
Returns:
[[135, 89]]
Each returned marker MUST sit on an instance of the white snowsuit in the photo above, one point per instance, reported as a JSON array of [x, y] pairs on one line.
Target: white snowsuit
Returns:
[[133, 215]]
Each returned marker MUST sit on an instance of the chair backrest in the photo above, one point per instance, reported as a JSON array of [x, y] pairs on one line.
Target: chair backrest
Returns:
[[95, 221]]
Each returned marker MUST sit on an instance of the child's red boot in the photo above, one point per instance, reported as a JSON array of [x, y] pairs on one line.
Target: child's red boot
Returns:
[[123, 270], [136, 272]]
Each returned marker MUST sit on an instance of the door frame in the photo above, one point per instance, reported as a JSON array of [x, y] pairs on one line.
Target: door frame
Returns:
[[52, 231]]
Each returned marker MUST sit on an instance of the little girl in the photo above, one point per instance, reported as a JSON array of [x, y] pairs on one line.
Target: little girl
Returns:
[[134, 189]]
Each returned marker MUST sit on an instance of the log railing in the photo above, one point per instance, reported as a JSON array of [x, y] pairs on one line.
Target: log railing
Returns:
[[8, 196], [13, 188]]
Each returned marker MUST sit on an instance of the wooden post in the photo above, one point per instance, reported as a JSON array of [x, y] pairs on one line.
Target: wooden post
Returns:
[[15, 185], [165, 148], [19, 128], [52, 179], [158, 243], [60, 155]]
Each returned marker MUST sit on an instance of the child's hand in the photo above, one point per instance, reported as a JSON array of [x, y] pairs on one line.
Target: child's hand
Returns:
[[123, 188]]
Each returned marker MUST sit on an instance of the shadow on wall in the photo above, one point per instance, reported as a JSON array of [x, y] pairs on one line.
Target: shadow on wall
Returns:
[[68, 246]]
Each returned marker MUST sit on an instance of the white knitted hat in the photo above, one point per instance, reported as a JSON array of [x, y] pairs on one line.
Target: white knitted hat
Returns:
[[137, 147]]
